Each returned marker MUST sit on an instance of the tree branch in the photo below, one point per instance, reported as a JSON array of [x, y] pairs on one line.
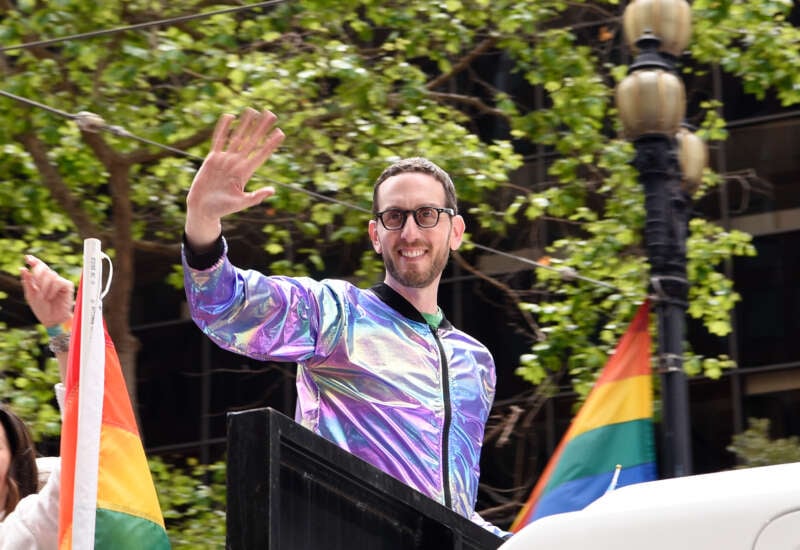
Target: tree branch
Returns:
[[55, 184], [161, 249], [506, 290], [463, 63], [469, 100]]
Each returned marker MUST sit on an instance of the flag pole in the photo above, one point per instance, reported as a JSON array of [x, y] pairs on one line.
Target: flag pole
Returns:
[[90, 397]]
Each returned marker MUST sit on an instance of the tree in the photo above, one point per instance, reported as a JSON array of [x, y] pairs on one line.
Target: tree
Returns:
[[489, 89], [192, 499], [754, 447]]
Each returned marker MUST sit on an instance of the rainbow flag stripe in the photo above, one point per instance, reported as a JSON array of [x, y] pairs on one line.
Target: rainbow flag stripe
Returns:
[[613, 427]]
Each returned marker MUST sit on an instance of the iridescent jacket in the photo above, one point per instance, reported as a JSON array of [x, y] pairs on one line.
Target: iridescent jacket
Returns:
[[372, 375]]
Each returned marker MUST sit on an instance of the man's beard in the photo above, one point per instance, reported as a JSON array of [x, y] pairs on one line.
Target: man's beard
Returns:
[[414, 278]]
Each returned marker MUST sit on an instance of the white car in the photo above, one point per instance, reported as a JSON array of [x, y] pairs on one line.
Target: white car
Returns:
[[747, 509]]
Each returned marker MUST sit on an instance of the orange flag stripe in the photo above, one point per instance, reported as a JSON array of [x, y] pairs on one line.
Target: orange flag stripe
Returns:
[[69, 431], [632, 355], [68, 436], [117, 409]]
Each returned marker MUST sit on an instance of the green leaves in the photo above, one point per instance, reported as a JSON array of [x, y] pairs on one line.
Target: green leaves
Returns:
[[754, 447], [753, 41], [711, 295], [192, 500], [27, 377]]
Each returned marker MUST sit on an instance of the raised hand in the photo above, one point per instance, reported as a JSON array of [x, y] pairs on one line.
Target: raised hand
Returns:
[[218, 188], [50, 296]]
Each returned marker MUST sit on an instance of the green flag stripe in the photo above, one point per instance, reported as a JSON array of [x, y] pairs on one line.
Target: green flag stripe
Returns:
[[600, 450], [122, 531]]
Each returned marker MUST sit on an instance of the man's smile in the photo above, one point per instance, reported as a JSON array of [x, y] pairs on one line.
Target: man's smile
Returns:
[[412, 252]]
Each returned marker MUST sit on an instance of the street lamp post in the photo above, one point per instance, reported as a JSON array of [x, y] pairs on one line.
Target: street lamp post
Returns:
[[651, 102]]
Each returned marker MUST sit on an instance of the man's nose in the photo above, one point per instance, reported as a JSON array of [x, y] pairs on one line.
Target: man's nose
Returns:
[[410, 226]]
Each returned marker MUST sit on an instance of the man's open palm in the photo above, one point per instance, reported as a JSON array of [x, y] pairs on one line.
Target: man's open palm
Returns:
[[219, 186]]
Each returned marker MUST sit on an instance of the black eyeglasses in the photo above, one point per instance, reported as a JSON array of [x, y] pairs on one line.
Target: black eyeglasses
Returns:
[[393, 219]]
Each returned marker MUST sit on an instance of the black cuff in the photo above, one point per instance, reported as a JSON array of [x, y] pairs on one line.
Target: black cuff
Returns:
[[206, 259]]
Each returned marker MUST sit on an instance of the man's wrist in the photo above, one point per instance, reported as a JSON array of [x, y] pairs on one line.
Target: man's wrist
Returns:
[[201, 235], [203, 260]]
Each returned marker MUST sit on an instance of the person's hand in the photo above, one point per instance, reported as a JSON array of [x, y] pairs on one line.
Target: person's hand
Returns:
[[50, 296], [218, 188]]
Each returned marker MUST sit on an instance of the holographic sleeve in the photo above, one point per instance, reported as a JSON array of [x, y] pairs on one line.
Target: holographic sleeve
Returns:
[[247, 312], [476, 518]]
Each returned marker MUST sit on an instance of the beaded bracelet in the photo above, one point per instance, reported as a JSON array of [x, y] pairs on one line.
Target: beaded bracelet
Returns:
[[59, 339]]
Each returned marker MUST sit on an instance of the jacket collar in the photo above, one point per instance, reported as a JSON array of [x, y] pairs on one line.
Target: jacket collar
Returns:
[[394, 300]]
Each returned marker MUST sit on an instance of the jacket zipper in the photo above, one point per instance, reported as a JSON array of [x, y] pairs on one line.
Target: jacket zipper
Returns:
[[448, 413]]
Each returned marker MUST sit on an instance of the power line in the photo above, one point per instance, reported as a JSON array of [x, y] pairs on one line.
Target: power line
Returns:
[[90, 122], [566, 273], [38, 105], [139, 26]]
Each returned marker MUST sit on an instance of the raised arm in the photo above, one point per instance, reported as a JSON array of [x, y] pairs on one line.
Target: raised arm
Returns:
[[34, 521], [51, 297], [218, 188]]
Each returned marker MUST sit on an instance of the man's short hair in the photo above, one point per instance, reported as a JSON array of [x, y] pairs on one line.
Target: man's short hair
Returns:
[[423, 166]]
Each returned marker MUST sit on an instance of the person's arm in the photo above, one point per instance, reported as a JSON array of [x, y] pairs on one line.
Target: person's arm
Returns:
[[260, 316], [232, 316], [34, 522], [218, 188], [51, 297]]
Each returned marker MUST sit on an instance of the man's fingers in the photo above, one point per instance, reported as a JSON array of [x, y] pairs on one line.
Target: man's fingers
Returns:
[[265, 123], [239, 148], [268, 118], [241, 131], [31, 277], [221, 132], [273, 141]]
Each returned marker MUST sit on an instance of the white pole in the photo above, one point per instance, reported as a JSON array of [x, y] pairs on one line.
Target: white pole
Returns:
[[90, 398]]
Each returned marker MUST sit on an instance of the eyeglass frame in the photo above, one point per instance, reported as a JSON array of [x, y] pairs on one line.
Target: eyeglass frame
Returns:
[[438, 209]]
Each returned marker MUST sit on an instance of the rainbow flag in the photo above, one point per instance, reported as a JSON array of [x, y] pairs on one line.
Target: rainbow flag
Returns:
[[107, 499], [614, 427]]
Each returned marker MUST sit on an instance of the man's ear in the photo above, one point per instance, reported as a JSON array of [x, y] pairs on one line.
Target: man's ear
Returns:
[[457, 232], [373, 235]]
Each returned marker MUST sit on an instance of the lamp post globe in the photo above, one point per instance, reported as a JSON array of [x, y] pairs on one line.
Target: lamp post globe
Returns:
[[670, 20], [650, 101], [693, 159]]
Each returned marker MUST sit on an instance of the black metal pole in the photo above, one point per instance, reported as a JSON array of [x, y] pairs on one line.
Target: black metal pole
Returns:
[[665, 234]]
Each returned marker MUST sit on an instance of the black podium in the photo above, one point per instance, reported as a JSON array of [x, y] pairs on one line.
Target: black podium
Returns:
[[290, 489]]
